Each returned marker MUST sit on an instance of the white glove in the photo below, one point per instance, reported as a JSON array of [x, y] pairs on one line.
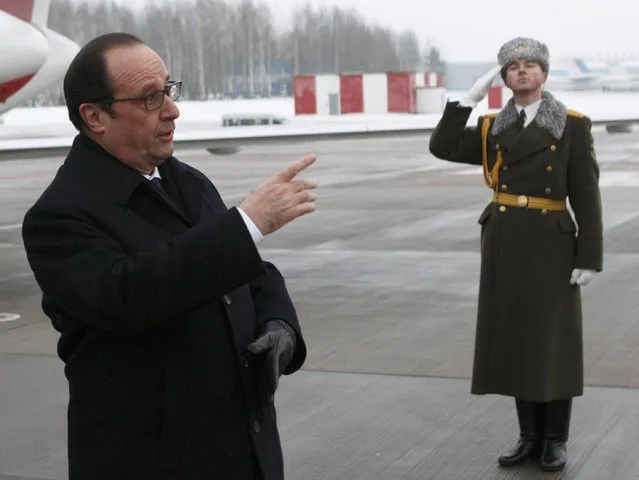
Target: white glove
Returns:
[[582, 277], [478, 91]]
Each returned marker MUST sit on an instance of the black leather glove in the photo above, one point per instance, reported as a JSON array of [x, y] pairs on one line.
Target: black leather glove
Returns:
[[274, 348]]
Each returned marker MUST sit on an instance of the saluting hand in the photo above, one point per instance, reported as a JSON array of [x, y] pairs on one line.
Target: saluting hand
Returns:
[[480, 89]]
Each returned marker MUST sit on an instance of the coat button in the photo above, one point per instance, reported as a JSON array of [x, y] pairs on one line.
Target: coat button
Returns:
[[504, 187], [553, 148], [502, 208], [256, 426], [227, 299], [549, 168], [544, 211], [117, 269], [548, 190], [505, 167]]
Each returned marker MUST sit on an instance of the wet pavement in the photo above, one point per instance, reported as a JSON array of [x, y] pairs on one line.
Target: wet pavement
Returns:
[[384, 276]]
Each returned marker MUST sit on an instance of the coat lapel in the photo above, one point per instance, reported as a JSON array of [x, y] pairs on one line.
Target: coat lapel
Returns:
[[186, 186], [507, 138], [130, 189], [169, 198], [519, 145]]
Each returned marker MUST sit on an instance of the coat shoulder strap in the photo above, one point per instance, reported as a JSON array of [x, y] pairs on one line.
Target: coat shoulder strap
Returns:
[[575, 113]]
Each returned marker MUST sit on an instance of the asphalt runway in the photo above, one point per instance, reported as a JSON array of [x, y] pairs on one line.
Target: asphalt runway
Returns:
[[384, 275]]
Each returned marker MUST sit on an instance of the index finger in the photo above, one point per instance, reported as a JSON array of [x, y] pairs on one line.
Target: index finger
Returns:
[[296, 167]]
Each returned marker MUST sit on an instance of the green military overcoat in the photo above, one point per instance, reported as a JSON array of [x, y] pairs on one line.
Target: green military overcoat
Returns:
[[529, 341]]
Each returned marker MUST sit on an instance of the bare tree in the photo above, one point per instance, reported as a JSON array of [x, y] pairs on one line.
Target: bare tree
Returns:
[[221, 49], [408, 51], [433, 61]]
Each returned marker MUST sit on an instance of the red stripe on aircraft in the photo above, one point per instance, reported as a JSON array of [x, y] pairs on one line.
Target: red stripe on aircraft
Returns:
[[12, 86], [23, 9]]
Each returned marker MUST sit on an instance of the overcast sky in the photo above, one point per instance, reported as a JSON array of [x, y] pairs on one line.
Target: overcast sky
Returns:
[[473, 30]]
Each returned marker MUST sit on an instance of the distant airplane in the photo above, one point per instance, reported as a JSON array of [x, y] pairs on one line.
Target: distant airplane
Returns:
[[623, 76], [574, 75], [32, 57], [602, 76]]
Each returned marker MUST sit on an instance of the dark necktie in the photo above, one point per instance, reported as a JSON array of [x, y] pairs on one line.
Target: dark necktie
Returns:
[[157, 183], [522, 119]]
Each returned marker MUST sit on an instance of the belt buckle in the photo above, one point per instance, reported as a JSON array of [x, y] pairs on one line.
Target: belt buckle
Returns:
[[522, 201]]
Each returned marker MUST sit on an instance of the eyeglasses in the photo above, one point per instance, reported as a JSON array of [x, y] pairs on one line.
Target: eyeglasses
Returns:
[[154, 100]]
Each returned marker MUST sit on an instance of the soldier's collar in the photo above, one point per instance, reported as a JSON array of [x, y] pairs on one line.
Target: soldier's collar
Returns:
[[551, 116]]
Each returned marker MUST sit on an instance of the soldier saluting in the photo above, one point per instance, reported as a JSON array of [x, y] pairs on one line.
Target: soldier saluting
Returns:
[[537, 155]]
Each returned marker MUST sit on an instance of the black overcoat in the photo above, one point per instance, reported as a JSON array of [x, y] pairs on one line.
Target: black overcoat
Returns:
[[155, 300]]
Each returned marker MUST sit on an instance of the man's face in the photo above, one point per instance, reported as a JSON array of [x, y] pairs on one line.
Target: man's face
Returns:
[[525, 76], [136, 136]]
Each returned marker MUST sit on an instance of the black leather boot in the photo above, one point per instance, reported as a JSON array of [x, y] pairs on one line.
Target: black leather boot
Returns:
[[528, 444], [553, 455], [540, 428]]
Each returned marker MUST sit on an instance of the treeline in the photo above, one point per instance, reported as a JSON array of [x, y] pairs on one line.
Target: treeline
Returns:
[[222, 49]]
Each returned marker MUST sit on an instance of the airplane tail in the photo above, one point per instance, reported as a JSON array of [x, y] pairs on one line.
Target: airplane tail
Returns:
[[581, 65], [30, 11]]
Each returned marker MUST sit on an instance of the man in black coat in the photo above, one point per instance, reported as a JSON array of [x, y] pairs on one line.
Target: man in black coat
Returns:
[[174, 331]]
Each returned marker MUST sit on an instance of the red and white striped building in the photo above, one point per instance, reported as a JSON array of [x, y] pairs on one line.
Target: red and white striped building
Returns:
[[498, 97], [368, 93]]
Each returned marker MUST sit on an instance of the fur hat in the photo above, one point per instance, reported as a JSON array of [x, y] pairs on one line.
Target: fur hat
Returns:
[[523, 48]]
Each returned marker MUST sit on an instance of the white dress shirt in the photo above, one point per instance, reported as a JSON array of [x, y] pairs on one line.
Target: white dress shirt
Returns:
[[256, 235], [531, 111], [154, 174]]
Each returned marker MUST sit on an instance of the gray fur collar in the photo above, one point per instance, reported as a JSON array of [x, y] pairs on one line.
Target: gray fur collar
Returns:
[[551, 116]]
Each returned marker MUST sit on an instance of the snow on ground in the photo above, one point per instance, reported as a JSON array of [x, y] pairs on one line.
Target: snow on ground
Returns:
[[202, 119], [595, 104]]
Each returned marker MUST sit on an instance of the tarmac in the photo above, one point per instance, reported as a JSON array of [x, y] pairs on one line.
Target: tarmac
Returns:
[[385, 277]]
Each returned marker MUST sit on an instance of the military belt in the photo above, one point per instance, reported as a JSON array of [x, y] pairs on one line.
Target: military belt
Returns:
[[524, 201]]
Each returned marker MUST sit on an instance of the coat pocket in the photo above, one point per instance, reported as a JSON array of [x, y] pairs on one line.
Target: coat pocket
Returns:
[[566, 224]]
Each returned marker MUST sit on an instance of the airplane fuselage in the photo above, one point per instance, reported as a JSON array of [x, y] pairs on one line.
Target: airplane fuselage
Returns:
[[33, 58]]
